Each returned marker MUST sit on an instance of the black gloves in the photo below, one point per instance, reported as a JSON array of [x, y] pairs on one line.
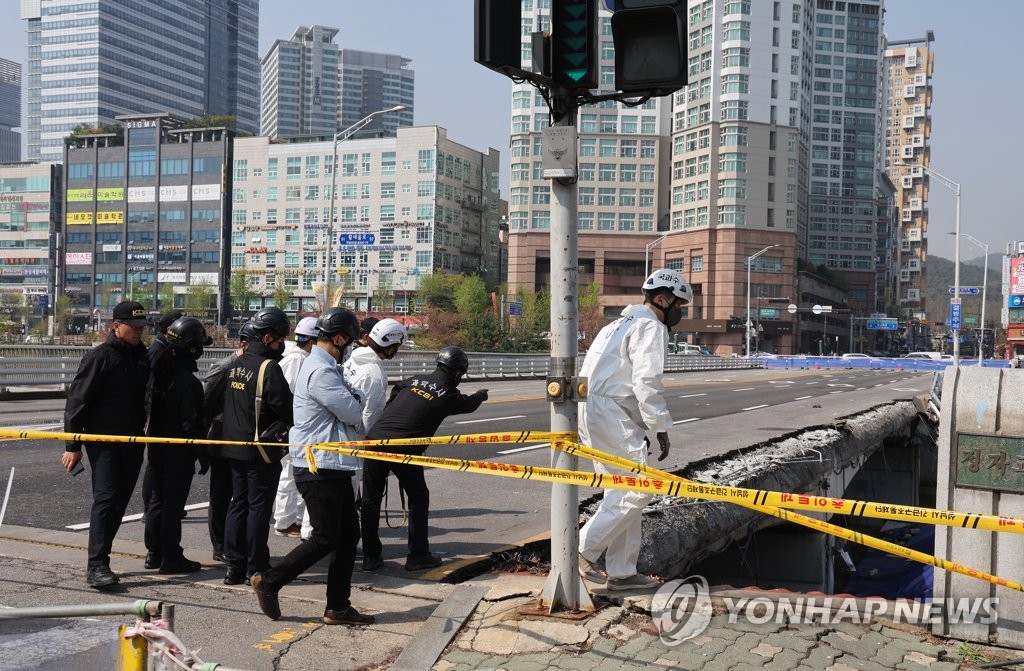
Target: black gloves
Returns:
[[481, 394], [664, 443]]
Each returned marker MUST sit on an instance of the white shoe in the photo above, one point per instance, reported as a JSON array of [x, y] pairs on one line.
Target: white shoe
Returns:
[[636, 581], [591, 572]]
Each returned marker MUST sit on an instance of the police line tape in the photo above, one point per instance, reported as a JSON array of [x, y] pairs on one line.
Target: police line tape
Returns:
[[681, 487], [796, 518], [651, 481]]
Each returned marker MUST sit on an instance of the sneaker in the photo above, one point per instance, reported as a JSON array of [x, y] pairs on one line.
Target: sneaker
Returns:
[[100, 577], [372, 563], [266, 597], [589, 571], [420, 563], [153, 560], [636, 581], [179, 565], [349, 616], [294, 531]]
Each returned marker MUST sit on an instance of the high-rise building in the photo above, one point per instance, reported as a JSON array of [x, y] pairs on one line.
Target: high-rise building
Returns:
[[404, 207], [148, 209], [370, 82], [910, 64], [300, 85], [10, 111], [89, 63]]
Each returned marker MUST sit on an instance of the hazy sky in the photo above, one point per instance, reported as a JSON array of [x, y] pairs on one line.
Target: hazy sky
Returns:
[[977, 85]]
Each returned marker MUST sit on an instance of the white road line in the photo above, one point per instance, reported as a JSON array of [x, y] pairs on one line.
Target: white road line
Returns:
[[490, 419], [837, 391], [745, 389], [810, 383], [684, 421], [692, 395], [137, 517], [802, 398], [525, 449], [755, 407]]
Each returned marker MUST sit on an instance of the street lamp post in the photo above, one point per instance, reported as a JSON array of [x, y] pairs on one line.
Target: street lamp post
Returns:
[[339, 137], [955, 188], [647, 254], [984, 291], [746, 325]]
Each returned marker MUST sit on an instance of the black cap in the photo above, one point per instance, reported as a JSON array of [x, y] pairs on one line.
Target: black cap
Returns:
[[131, 313], [168, 318], [367, 325]]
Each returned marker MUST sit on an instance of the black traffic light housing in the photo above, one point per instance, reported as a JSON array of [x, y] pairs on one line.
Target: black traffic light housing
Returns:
[[650, 46], [497, 39], [574, 43]]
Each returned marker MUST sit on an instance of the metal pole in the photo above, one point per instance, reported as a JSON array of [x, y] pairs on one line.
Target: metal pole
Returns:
[[956, 277], [746, 323], [984, 291], [564, 589], [330, 229]]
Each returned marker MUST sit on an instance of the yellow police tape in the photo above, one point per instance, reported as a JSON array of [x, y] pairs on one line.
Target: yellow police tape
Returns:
[[650, 480]]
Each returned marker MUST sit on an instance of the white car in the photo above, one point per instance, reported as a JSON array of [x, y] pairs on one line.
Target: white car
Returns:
[[855, 355], [934, 356]]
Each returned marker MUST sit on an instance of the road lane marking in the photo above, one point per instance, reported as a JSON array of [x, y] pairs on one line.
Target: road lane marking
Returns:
[[525, 449], [837, 391], [684, 421], [802, 398], [490, 419], [810, 383], [745, 389], [755, 407], [138, 516], [692, 395]]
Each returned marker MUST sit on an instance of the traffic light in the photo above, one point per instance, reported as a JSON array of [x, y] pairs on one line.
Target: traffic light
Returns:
[[650, 46], [574, 43], [497, 44]]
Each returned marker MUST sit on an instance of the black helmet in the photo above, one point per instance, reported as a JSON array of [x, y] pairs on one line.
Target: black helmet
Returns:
[[453, 358], [272, 319], [188, 332], [339, 320], [247, 332]]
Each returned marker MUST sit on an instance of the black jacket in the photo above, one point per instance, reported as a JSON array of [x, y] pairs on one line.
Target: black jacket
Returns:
[[214, 385], [240, 401], [418, 405], [108, 394], [179, 410], [161, 370]]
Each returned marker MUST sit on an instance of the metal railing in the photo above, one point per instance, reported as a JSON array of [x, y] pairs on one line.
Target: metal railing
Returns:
[[54, 366]]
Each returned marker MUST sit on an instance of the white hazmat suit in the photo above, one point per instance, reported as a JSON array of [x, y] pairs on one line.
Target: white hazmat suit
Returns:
[[625, 401]]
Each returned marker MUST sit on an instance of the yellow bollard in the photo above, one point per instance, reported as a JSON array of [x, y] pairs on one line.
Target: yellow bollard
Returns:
[[131, 651]]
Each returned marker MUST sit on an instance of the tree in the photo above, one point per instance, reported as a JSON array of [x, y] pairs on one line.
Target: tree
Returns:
[[472, 301], [437, 291], [62, 314], [591, 317], [384, 296], [165, 300], [282, 295], [241, 291], [211, 121], [199, 298]]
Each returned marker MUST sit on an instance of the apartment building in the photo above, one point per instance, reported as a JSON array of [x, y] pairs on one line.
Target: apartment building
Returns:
[[299, 93], [10, 111]]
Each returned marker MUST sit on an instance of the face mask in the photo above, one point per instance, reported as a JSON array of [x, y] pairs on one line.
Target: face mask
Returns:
[[673, 315]]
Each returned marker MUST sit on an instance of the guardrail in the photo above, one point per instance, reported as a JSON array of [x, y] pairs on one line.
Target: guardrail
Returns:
[[55, 365], [874, 363]]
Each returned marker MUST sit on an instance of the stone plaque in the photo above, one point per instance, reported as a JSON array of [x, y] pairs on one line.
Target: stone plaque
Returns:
[[987, 461]]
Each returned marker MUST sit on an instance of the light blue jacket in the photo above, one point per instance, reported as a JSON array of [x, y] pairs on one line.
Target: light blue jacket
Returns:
[[326, 410]]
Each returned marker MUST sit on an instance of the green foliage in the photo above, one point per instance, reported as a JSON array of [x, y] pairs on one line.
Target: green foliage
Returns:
[[199, 298], [240, 290], [89, 129], [211, 121], [62, 314], [939, 278], [282, 295], [437, 291], [165, 299], [384, 295]]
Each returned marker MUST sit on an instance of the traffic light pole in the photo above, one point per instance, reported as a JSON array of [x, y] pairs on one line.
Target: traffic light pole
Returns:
[[564, 588]]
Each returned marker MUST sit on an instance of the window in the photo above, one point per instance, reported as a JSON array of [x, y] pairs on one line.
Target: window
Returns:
[[736, 30], [387, 190], [387, 163], [733, 136], [312, 166], [696, 264], [736, 57], [735, 83], [732, 188], [732, 162], [734, 110], [272, 168], [294, 169], [606, 197]]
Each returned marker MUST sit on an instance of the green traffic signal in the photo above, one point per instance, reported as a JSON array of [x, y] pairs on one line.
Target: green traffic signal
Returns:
[[574, 43]]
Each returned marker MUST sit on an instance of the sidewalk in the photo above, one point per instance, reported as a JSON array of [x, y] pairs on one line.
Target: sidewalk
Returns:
[[473, 625]]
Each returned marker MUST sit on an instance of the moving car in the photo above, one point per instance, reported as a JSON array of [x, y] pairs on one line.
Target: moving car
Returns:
[[934, 356]]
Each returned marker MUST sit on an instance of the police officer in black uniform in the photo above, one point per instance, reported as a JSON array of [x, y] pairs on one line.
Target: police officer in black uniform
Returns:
[[416, 408], [161, 369], [176, 413], [254, 472], [108, 396]]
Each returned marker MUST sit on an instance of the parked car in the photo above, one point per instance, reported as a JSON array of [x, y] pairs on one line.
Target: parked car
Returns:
[[934, 356], [855, 355], [687, 349]]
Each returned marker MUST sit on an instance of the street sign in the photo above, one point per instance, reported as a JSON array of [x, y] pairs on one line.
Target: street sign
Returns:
[[1015, 301], [819, 309], [791, 309], [769, 313], [883, 324], [877, 315], [816, 309], [515, 309], [954, 315], [967, 291], [356, 239], [970, 320]]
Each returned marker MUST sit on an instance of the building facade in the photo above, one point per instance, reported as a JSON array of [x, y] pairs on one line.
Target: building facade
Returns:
[[910, 65], [404, 207], [147, 216], [189, 57], [10, 111], [300, 85], [369, 82], [30, 206]]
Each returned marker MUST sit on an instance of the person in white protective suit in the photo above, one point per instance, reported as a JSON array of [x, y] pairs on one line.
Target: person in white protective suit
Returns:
[[625, 401], [290, 516], [364, 370]]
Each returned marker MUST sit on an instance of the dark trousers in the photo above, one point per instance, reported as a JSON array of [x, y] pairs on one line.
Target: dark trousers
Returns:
[[220, 499], [332, 513], [170, 468], [410, 478], [115, 470], [247, 527]]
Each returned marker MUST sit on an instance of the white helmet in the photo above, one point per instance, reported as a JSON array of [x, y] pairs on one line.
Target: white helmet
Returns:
[[387, 332], [666, 278], [307, 327]]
